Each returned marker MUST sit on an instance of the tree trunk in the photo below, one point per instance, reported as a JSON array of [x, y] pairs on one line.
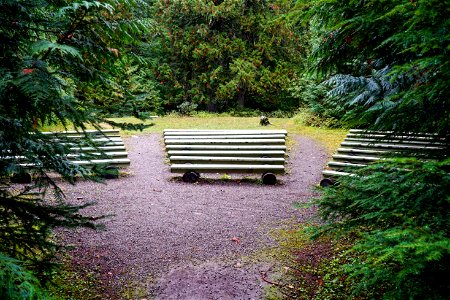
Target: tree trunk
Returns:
[[241, 98]]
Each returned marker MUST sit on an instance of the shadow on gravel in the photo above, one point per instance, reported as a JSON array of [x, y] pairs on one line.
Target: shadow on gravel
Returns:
[[222, 181]]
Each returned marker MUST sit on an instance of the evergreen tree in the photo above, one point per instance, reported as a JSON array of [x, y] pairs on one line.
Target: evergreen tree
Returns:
[[224, 54], [50, 52], [389, 61], [397, 213]]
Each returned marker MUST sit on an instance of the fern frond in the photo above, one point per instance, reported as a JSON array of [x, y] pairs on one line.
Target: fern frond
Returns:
[[44, 46]]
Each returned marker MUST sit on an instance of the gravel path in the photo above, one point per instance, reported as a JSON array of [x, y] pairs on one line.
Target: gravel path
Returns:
[[186, 241]]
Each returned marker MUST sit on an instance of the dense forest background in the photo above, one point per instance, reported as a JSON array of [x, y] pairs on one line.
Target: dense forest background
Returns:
[[355, 63], [382, 65]]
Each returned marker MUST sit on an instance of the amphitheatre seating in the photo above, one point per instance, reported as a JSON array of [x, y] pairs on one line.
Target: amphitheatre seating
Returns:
[[91, 148], [214, 151], [108, 147], [362, 147]]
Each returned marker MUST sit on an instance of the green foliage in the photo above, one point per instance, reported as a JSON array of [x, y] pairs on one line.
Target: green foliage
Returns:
[[50, 53], [27, 223], [389, 61], [307, 117], [17, 283], [187, 108], [399, 210], [76, 282], [134, 93], [311, 268], [225, 54], [386, 68]]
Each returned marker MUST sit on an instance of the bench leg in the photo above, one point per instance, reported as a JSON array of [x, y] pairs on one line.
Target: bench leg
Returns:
[[109, 172], [191, 176], [326, 182], [23, 177], [269, 178]]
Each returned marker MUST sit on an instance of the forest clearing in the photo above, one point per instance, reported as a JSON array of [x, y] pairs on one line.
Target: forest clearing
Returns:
[[354, 90]]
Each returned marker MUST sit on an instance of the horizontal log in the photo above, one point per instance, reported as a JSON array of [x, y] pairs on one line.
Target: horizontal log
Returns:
[[104, 132], [357, 152], [106, 162], [84, 137], [362, 131], [225, 159], [396, 141], [357, 158], [338, 164], [94, 140], [99, 144], [103, 155], [75, 156], [332, 173], [225, 141], [225, 147], [423, 138], [231, 136], [217, 168], [118, 162], [101, 148], [221, 132], [390, 146], [259, 153]]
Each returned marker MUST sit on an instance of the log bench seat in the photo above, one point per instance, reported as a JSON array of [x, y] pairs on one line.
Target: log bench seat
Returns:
[[192, 152], [361, 147], [91, 148]]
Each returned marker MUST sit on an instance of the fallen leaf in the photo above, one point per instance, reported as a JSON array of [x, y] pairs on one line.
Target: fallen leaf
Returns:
[[114, 51], [27, 71], [236, 240], [320, 281]]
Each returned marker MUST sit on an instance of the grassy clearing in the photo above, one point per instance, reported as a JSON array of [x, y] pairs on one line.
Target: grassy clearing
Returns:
[[329, 138]]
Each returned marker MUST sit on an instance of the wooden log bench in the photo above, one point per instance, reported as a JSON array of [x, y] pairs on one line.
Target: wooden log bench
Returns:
[[192, 152], [361, 147], [103, 149]]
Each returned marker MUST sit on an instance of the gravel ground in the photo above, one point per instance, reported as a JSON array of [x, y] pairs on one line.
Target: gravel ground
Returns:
[[187, 241]]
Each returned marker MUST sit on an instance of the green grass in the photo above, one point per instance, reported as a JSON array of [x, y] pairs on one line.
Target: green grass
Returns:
[[328, 138]]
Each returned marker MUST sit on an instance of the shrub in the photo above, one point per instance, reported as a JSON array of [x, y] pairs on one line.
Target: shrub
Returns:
[[245, 112], [399, 211], [307, 117], [187, 108], [17, 282], [280, 114]]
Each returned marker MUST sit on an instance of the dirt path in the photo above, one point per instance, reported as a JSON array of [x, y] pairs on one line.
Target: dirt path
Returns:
[[186, 241]]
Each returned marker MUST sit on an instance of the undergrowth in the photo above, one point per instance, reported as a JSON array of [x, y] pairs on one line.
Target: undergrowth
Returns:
[[308, 269], [75, 282], [383, 234]]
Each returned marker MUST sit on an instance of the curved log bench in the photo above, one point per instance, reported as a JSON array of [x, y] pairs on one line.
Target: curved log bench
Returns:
[[361, 147], [103, 150]]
